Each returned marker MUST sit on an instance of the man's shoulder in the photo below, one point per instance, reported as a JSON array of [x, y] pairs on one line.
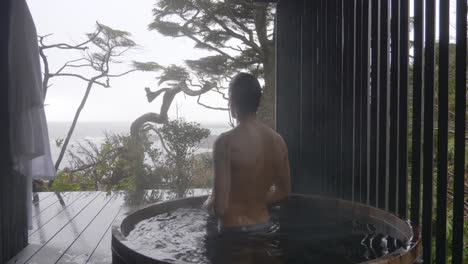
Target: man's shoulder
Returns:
[[277, 138], [224, 136], [222, 141]]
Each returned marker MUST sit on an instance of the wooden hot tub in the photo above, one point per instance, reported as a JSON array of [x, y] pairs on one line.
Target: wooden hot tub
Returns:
[[302, 210]]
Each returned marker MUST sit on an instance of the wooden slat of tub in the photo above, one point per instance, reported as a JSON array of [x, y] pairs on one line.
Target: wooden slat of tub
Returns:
[[42, 218], [39, 239], [60, 242], [86, 243]]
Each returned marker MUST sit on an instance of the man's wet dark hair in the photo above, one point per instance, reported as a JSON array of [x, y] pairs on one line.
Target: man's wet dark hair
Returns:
[[246, 92]]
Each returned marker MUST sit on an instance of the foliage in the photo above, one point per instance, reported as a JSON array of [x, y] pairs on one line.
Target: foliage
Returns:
[[203, 172], [115, 164], [239, 36], [236, 31], [182, 137], [127, 183], [71, 182], [146, 66], [180, 140], [111, 165], [451, 148], [450, 238], [139, 198]]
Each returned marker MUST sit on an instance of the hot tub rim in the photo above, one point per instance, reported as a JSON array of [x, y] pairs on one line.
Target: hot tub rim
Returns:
[[410, 255]]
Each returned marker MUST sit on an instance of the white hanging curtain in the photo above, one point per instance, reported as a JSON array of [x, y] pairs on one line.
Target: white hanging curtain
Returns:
[[28, 126]]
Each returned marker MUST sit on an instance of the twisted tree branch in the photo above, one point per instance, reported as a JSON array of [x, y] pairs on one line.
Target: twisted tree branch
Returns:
[[163, 144], [146, 118], [105, 85], [67, 64], [81, 46], [211, 107]]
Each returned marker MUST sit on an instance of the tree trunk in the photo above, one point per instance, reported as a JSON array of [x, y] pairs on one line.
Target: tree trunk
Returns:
[[46, 75], [180, 178], [267, 110], [73, 125]]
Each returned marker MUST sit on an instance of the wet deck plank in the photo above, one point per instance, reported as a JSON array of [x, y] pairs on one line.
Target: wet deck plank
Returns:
[[58, 244], [41, 218], [51, 222], [103, 252], [45, 201], [39, 238], [41, 196], [86, 244], [77, 229]]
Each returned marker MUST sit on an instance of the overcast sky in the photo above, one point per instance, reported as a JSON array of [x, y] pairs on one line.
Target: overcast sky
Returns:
[[126, 100]]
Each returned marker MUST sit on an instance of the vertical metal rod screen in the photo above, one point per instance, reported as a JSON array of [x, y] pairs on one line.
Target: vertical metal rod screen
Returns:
[[371, 100]]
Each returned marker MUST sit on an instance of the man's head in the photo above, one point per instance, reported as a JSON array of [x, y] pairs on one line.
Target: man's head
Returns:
[[244, 95]]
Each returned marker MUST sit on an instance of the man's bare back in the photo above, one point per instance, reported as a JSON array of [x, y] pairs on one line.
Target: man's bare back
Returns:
[[251, 171]]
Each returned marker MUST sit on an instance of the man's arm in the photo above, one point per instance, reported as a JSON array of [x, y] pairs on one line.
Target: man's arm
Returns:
[[222, 175], [282, 185]]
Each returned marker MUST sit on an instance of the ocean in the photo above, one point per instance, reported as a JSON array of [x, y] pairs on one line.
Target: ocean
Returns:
[[95, 132]]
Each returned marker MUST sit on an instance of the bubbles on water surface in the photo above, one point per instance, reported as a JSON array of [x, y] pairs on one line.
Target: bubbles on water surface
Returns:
[[189, 235], [177, 235]]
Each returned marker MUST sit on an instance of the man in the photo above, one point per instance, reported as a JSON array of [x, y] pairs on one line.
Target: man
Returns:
[[250, 164]]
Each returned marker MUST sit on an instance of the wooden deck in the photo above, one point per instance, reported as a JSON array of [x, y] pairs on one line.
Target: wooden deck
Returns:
[[76, 228]]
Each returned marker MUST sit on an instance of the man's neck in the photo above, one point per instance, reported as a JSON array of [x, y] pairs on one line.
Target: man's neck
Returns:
[[247, 119]]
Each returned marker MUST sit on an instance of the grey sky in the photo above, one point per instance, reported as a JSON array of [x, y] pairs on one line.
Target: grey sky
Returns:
[[126, 100]]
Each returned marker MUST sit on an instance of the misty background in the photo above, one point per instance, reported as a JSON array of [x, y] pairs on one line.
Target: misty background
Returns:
[[112, 110]]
